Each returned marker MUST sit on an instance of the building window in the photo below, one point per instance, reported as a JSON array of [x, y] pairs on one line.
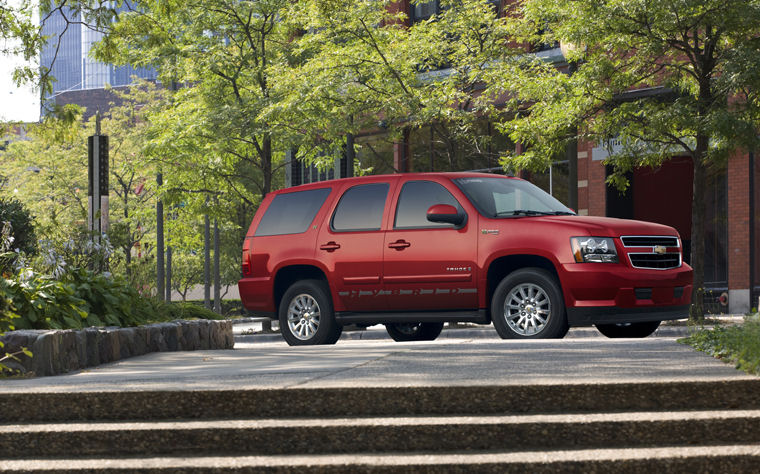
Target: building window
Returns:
[[421, 11]]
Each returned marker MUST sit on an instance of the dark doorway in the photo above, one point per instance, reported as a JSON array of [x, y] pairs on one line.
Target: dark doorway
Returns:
[[664, 195]]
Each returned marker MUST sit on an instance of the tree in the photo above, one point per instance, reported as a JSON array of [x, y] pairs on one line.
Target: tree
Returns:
[[132, 202], [361, 66], [19, 35], [700, 54]]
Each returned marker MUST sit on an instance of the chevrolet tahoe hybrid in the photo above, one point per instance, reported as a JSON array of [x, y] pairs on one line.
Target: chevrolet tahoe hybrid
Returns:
[[412, 251]]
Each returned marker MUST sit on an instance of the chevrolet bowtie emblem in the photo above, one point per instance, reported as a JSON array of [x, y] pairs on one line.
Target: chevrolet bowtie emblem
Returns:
[[659, 249]]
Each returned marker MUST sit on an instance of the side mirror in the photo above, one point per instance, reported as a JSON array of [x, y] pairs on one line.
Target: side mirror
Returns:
[[446, 214]]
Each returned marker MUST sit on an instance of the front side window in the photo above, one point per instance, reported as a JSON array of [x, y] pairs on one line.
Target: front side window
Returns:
[[361, 208], [504, 197], [291, 213], [414, 201]]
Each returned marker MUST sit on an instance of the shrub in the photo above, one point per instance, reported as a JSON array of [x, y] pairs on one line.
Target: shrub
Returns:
[[21, 225], [183, 310]]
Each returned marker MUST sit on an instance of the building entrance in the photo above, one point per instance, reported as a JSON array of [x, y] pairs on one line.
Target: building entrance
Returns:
[[664, 195]]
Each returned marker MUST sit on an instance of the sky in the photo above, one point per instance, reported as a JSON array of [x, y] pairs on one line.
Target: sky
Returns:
[[16, 104]]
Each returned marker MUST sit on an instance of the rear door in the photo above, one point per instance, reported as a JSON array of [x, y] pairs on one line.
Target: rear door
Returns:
[[427, 265], [350, 246]]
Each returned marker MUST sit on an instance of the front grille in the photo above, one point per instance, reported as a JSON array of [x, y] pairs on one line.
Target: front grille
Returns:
[[655, 261], [649, 241]]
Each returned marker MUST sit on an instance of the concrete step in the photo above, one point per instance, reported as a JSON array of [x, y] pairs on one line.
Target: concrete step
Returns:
[[31, 407], [731, 458], [381, 435]]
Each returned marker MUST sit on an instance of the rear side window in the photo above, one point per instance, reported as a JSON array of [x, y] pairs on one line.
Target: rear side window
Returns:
[[361, 208], [292, 213], [414, 201]]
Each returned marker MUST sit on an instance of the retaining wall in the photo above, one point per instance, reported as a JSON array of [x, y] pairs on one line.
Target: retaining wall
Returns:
[[57, 352]]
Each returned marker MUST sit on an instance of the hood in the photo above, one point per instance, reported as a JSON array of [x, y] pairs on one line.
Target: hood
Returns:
[[613, 227]]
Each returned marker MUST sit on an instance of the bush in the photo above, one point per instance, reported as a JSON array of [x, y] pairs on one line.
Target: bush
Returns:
[[737, 344], [77, 299], [183, 310], [21, 225]]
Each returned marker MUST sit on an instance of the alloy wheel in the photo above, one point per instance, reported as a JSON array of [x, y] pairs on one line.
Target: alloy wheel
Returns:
[[303, 316], [527, 309]]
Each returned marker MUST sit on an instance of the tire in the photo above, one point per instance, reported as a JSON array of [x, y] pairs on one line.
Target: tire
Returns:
[[528, 304], [633, 330], [404, 332], [306, 314]]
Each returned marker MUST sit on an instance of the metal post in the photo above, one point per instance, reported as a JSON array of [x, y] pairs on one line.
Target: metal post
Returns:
[[207, 263], [160, 243], [168, 273], [97, 214], [217, 276]]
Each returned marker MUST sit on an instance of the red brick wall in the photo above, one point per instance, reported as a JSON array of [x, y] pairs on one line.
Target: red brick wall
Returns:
[[584, 158], [738, 221], [93, 100], [597, 188]]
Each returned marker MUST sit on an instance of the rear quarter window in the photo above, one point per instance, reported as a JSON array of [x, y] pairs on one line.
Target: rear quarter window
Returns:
[[292, 213]]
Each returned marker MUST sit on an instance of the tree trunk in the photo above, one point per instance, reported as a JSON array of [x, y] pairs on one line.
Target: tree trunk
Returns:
[[698, 231], [266, 164]]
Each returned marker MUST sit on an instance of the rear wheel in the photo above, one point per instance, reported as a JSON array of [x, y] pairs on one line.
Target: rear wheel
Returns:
[[528, 304], [634, 330], [403, 332], [306, 314]]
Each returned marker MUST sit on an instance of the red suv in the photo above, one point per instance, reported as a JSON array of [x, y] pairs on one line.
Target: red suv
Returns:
[[413, 251]]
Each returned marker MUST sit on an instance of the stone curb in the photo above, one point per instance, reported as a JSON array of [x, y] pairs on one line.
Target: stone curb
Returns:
[[61, 351]]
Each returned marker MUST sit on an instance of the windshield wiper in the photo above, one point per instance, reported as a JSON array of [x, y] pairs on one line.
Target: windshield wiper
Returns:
[[531, 212]]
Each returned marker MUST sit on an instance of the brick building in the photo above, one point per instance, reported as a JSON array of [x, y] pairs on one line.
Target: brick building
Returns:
[[663, 195]]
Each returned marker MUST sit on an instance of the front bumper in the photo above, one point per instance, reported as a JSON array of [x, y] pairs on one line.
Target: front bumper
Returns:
[[609, 293]]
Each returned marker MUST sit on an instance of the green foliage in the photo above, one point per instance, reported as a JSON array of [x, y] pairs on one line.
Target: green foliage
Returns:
[[698, 51], [661, 79], [735, 344], [76, 300], [184, 310], [81, 299], [21, 223], [360, 69]]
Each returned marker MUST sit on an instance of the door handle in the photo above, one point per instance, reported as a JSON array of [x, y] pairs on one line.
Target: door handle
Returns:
[[330, 246], [399, 245]]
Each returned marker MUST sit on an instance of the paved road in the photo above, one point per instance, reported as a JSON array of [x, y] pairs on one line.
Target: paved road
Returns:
[[459, 358]]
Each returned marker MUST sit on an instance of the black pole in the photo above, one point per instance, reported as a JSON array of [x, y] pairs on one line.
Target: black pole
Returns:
[[207, 264], [168, 273], [217, 277], [752, 236], [160, 243]]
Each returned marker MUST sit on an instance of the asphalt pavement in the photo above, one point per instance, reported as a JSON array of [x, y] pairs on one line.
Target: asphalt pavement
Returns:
[[471, 356]]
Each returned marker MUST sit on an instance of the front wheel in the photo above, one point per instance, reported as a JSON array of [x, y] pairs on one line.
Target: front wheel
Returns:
[[528, 304], [306, 314], [633, 330], [403, 332]]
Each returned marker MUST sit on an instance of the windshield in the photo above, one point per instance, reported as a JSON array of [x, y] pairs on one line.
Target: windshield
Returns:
[[502, 197]]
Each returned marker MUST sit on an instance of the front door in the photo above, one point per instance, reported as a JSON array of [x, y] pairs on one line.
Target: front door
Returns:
[[427, 265]]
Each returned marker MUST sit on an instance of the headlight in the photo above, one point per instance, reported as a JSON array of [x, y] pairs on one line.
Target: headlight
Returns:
[[594, 249]]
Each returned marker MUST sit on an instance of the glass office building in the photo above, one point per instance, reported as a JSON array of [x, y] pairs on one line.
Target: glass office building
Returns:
[[67, 56]]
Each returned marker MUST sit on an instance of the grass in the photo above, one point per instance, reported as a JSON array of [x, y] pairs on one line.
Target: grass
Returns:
[[739, 344]]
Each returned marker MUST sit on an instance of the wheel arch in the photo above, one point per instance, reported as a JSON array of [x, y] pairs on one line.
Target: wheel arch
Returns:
[[502, 266], [290, 274]]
